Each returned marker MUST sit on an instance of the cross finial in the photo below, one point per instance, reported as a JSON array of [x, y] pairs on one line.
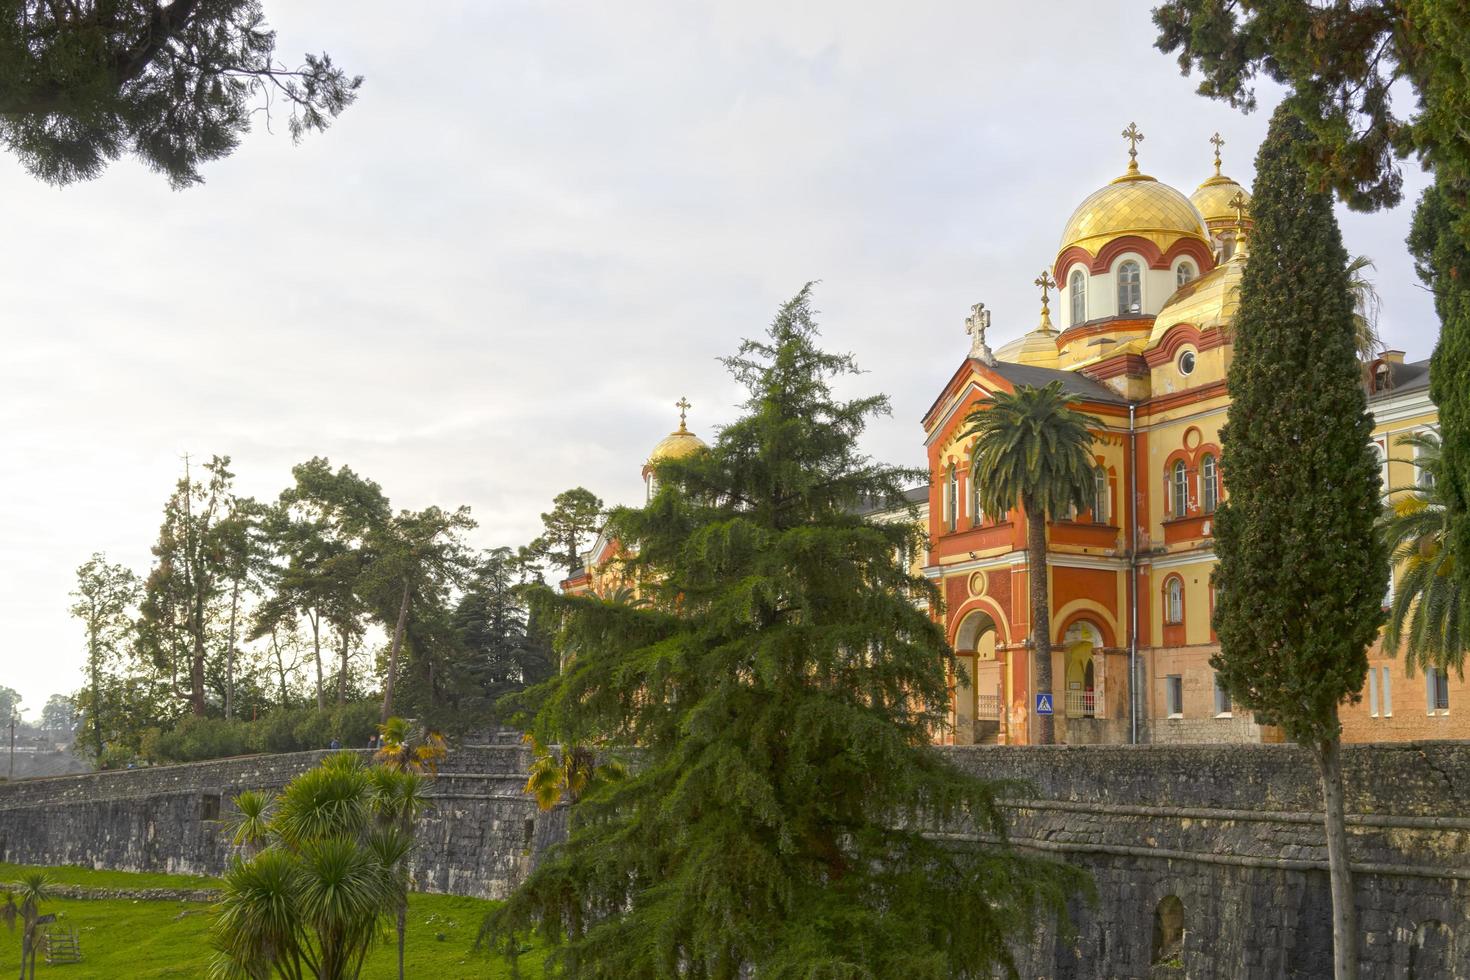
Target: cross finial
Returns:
[[683, 406], [1134, 137], [975, 325], [1239, 204], [1046, 282], [1219, 142]]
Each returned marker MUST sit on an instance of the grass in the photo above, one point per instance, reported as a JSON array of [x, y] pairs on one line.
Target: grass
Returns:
[[148, 939]]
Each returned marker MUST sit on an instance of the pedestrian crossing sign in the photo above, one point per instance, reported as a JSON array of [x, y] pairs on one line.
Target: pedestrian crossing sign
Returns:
[[1043, 704]]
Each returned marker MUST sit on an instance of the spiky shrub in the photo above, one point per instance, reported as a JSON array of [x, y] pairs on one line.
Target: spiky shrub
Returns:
[[781, 685], [23, 905], [331, 877], [1301, 571]]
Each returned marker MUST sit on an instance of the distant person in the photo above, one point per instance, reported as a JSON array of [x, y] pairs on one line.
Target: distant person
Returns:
[[335, 744], [372, 741]]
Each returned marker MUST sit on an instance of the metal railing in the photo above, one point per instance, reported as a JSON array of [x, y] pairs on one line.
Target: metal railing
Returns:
[[1081, 704], [987, 707]]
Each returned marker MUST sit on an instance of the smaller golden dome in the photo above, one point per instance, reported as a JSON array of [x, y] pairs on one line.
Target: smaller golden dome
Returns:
[[1210, 301], [1212, 200], [1037, 348], [676, 445]]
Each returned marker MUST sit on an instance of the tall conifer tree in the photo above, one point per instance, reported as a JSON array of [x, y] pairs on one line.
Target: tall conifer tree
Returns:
[[1301, 572], [782, 681]]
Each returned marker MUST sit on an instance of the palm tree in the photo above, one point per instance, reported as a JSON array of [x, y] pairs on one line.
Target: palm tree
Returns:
[[1366, 304], [1032, 450], [314, 901], [398, 799], [567, 772], [250, 822], [35, 888], [407, 748], [1426, 618]]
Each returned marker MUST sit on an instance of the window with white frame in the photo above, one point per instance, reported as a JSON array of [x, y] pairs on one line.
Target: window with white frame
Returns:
[[1436, 690], [1382, 451], [1385, 690], [977, 513], [1423, 477], [952, 497], [1372, 692], [1077, 286], [1174, 695], [1209, 483], [1222, 699], [1100, 495], [1130, 289], [1174, 601], [1179, 488], [1184, 273]]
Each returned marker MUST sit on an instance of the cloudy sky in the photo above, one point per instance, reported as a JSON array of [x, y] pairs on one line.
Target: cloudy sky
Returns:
[[539, 227]]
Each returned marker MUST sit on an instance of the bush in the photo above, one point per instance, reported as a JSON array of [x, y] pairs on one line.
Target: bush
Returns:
[[283, 730]]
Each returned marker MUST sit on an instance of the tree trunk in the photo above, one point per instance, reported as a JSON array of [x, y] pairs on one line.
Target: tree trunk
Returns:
[[342, 677], [230, 653], [316, 649], [95, 670], [196, 675], [402, 932], [393, 654], [280, 664], [1040, 614], [1340, 875]]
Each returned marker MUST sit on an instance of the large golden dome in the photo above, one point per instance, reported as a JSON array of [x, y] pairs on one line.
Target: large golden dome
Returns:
[[1212, 200], [1134, 204], [676, 445], [1208, 302]]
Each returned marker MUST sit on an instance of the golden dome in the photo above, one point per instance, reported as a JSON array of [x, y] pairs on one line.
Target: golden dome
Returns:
[[1212, 200], [1207, 302], [1134, 204], [676, 445], [1037, 348]]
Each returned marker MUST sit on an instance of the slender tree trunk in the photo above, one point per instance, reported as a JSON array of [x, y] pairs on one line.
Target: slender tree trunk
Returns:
[[280, 664], [96, 672], [1344, 905], [393, 654], [342, 677], [1040, 614], [230, 653], [316, 649], [402, 931], [196, 675]]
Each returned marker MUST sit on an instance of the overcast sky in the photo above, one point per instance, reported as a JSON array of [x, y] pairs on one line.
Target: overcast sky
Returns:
[[538, 228]]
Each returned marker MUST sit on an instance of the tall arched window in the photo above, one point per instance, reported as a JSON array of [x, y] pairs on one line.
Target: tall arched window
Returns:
[[1100, 495], [1184, 273], [1078, 285], [952, 497], [1174, 601], [1130, 289], [977, 513], [1179, 489], [1209, 480]]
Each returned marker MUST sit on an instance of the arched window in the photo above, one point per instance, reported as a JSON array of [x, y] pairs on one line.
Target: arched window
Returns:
[[1100, 496], [1184, 273], [1130, 289], [1179, 489], [977, 513], [1168, 944], [1078, 285], [1209, 483], [952, 497], [1174, 601]]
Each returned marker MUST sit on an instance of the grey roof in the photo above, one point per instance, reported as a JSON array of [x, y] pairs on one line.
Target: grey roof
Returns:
[[1402, 378], [913, 495], [1073, 382]]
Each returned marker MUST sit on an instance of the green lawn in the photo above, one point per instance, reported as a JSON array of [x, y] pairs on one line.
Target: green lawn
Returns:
[[142, 939], [110, 879]]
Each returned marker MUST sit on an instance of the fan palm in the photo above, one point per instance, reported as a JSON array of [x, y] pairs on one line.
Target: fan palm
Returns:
[[24, 905], [250, 821], [1425, 618], [567, 772], [408, 748], [1033, 451], [1366, 304]]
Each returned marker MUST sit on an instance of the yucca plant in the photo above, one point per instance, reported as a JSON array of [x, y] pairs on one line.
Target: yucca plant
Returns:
[[329, 872], [1426, 619], [410, 748], [250, 821], [23, 905]]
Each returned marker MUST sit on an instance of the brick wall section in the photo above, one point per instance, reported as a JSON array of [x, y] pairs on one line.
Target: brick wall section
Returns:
[[1232, 830]]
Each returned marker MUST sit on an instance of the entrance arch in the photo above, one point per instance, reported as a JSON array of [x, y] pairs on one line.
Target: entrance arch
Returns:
[[977, 697], [1081, 642]]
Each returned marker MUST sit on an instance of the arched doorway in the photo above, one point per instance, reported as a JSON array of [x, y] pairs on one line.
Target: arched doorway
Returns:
[[1081, 643], [977, 695]]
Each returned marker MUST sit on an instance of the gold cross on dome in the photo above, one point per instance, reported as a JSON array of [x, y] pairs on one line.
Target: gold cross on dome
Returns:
[[1046, 282], [1134, 137], [683, 406], [1218, 143], [1239, 204]]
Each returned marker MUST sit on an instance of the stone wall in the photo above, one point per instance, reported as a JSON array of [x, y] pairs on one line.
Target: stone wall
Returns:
[[1233, 832]]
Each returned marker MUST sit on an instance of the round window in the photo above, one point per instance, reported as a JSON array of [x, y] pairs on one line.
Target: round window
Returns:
[[1186, 362]]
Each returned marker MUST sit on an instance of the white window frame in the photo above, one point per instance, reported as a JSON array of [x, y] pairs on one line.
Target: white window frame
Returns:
[[1209, 483], [1179, 278], [1101, 496], [1174, 695], [1223, 706], [1372, 692], [1387, 689], [1174, 601], [1179, 488], [1077, 285], [1436, 682], [1125, 308], [952, 499], [977, 513]]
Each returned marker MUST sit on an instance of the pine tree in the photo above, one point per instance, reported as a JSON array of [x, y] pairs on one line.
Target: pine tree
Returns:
[[1301, 572], [781, 682]]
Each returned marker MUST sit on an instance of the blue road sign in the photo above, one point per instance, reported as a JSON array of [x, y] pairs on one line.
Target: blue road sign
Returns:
[[1043, 704]]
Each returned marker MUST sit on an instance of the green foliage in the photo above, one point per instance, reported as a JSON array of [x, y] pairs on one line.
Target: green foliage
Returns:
[[1301, 571], [1427, 619], [9, 705], [1034, 452], [568, 772], [175, 85], [1442, 260], [1339, 62], [23, 905], [316, 899], [281, 730], [575, 516], [781, 686]]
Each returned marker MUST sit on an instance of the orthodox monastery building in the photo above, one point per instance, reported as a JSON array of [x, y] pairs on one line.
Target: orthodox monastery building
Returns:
[[1147, 285]]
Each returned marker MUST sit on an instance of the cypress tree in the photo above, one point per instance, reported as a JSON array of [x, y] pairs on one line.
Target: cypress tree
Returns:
[[1442, 259], [782, 679], [1301, 572]]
